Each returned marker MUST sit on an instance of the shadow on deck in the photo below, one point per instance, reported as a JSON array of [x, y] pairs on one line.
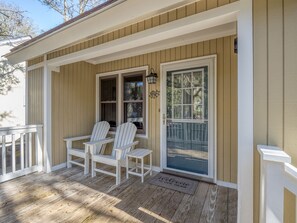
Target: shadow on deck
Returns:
[[69, 196]]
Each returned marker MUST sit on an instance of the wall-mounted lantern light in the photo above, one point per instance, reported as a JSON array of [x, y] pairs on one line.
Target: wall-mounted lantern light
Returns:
[[152, 79]]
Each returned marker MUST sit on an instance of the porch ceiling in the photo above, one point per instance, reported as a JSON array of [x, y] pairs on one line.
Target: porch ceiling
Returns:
[[101, 21], [214, 23]]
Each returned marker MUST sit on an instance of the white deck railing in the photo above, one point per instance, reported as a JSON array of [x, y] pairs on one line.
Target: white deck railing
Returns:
[[21, 151], [276, 174]]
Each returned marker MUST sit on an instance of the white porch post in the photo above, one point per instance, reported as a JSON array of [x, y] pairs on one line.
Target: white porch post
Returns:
[[245, 112], [47, 111]]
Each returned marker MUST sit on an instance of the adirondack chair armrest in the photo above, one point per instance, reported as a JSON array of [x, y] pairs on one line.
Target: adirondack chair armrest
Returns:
[[120, 149], [102, 141], [77, 138]]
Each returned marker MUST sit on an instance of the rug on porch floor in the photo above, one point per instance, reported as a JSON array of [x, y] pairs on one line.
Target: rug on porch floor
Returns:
[[172, 182]]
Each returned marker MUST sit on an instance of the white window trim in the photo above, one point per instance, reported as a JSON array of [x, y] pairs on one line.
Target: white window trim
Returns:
[[120, 74]]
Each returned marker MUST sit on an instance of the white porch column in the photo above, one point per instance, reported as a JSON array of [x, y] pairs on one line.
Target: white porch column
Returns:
[[245, 112], [47, 118]]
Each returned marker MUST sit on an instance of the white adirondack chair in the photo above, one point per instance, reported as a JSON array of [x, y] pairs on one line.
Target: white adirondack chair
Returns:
[[123, 143], [99, 134]]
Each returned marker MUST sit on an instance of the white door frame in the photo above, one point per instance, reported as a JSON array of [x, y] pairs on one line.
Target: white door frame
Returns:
[[211, 62]]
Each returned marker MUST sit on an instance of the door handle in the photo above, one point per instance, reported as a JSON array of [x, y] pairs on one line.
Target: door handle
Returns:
[[164, 119]]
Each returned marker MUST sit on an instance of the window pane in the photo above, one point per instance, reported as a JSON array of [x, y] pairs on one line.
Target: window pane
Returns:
[[108, 113], [177, 112], [177, 96], [108, 89], [133, 113], [177, 80], [197, 79], [187, 80], [187, 96], [197, 96], [197, 112], [133, 88]]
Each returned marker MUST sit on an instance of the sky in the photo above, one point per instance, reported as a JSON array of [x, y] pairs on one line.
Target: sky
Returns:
[[43, 17]]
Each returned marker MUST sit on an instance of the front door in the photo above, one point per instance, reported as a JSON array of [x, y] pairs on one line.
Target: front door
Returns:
[[189, 117]]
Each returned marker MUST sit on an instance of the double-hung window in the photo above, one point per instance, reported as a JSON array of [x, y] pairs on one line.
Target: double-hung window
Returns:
[[122, 98]]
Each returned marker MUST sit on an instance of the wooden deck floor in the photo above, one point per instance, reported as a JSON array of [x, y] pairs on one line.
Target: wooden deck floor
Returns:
[[69, 196]]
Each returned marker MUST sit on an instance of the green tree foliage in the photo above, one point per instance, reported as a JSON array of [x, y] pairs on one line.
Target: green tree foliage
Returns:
[[71, 8]]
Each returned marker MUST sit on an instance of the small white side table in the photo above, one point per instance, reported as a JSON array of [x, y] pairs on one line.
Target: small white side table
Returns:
[[139, 154]]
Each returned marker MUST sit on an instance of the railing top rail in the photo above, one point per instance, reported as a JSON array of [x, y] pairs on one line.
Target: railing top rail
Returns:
[[19, 129], [292, 170], [273, 153]]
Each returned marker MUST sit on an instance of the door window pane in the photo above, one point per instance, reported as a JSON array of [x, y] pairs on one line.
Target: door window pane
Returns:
[[197, 79], [177, 96], [187, 80], [177, 111], [187, 96]]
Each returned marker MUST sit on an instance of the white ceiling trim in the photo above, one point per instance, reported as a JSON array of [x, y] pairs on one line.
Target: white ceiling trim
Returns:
[[203, 35], [189, 25]]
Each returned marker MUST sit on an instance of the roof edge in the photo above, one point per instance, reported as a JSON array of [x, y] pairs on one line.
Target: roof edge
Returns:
[[92, 12]]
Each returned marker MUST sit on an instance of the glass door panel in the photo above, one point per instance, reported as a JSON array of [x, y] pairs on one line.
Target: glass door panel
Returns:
[[187, 120]]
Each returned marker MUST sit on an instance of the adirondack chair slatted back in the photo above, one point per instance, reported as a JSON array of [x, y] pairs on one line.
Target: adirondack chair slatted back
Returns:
[[100, 131], [125, 135]]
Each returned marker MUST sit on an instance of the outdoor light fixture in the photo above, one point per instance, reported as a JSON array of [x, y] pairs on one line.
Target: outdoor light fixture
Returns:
[[152, 79]]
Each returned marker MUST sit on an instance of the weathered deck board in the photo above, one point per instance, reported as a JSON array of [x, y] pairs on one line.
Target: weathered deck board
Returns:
[[69, 196]]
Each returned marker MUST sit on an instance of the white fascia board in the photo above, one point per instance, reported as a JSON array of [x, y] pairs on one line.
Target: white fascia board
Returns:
[[109, 18], [212, 18], [199, 36]]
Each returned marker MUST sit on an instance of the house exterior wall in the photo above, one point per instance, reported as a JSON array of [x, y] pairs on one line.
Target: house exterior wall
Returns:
[[73, 105], [226, 97], [275, 81], [179, 13], [35, 96], [73, 88]]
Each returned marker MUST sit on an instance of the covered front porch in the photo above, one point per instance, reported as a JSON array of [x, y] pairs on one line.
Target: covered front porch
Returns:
[[67, 195]]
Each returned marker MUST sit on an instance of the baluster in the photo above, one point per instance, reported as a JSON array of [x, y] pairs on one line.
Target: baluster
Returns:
[[26, 150], [22, 151], [30, 149], [13, 153], [3, 156]]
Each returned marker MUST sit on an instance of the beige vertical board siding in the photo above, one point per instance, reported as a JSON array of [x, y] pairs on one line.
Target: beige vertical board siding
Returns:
[[290, 92], [275, 80], [35, 96], [174, 14], [35, 61], [73, 101], [275, 73], [226, 94]]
